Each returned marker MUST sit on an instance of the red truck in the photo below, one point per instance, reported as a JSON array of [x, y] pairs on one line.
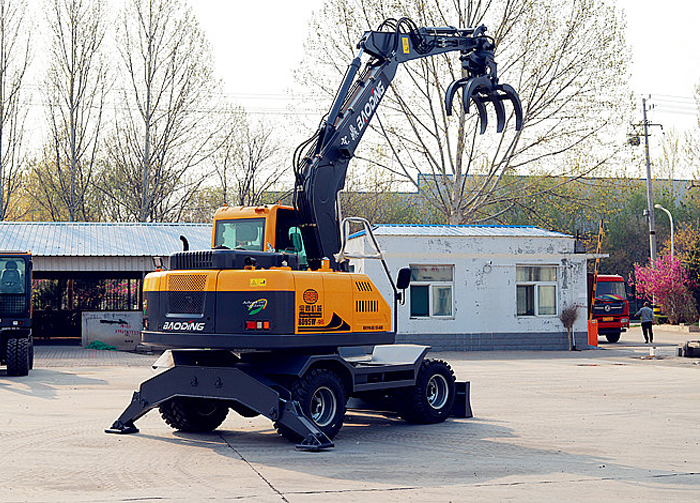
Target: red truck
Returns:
[[611, 307]]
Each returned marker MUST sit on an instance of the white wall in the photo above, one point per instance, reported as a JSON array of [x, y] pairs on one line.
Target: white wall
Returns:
[[485, 281]]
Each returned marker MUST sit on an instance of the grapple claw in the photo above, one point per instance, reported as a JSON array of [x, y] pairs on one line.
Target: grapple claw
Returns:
[[483, 116], [500, 112], [473, 86], [450, 93], [481, 89], [510, 94]]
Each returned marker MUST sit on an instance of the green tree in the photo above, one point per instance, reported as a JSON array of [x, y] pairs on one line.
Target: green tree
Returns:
[[373, 196]]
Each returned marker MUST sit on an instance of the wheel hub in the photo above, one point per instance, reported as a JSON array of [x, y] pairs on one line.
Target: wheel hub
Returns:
[[437, 392], [323, 406]]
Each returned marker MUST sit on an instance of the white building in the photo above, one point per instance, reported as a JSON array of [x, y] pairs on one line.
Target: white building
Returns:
[[481, 287]]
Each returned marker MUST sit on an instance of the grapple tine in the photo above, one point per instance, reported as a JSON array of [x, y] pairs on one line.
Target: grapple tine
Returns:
[[483, 116], [472, 87], [500, 111], [511, 94], [450, 93]]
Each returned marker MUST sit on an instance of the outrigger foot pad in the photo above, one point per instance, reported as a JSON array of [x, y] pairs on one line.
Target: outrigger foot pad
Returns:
[[315, 442], [120, 428]]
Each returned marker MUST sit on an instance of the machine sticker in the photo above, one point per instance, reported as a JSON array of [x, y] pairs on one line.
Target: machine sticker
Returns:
[[255, 306], [258, 281], [310, 315], [337, 324], [404, 41], [370, 106], [310, 296], [186, 326]]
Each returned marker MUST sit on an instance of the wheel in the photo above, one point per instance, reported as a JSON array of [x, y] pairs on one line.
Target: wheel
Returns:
[[432, 397], [18, 357], [321, 395], [197, 415], [613, 337], [31, 352]]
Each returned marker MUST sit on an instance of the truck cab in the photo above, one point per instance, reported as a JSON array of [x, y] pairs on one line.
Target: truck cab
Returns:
[[611, 308]]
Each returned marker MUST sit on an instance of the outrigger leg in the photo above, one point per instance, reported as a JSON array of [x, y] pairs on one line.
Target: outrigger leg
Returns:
[[229, 384]]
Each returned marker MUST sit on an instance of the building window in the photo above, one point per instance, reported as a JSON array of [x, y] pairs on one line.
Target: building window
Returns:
[[431, 291], [536, 290]]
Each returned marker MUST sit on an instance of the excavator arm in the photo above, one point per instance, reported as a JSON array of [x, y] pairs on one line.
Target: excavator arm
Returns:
[[321, 162]]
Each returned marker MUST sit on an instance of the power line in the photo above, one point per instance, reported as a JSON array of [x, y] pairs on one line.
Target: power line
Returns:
[[670, 97]]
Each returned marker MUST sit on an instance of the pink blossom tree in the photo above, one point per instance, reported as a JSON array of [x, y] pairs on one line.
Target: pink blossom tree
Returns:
[[669, 283]]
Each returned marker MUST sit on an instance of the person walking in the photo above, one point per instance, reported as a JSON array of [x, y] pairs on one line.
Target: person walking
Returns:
[[646, 314]]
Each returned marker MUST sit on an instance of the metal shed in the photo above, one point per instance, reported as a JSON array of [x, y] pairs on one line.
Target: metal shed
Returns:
[[89, 266]]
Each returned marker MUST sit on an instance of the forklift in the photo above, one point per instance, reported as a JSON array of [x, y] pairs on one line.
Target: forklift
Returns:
[[270, 321]]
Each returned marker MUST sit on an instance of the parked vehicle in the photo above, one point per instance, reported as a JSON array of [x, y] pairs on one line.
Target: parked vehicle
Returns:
[[611, 308], [16, 344]]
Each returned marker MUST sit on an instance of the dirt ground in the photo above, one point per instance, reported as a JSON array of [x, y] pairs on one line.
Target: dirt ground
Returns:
[[611, 424]]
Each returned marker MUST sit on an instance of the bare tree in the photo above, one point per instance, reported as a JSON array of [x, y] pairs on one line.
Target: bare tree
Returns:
[[248, 164], [165, 127], [14, 60], [566, 58], [75, 91]]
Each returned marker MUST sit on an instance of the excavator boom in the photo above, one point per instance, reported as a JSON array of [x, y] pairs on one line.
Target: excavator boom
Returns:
[[321, 163]]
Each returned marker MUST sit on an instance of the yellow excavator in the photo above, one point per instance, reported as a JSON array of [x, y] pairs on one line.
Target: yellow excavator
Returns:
[[270, 320]]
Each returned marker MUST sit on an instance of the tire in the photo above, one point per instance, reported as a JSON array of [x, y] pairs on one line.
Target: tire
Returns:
[[18, 357], [195, 415], [31, 352], [612, 338], [321, 396], [431, 399]]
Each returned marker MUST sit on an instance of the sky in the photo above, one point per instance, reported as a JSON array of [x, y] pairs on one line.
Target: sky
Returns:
[[257, 46]]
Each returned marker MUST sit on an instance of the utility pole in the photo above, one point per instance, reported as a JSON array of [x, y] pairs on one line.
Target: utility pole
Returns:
[[650, 195], [649, 212]]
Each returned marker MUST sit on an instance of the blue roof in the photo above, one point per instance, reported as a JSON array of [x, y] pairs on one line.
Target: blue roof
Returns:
[[90, 239], [462, 230]]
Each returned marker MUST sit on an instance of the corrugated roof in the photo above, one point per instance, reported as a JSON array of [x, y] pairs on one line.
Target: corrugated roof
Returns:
[[89, 239], [462, 230]]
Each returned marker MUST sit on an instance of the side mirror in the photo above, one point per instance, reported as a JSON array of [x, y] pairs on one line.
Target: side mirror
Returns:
[[158, 263], [404, 278]]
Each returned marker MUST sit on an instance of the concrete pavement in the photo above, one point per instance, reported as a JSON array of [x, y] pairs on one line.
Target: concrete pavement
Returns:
[[610, 424]]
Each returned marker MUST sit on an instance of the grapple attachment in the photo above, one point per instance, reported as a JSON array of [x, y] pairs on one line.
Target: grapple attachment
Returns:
[[481, 86]]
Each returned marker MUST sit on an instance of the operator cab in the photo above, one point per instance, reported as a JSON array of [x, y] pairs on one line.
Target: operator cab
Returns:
[[15, 293], [12, 275], [269, 228]]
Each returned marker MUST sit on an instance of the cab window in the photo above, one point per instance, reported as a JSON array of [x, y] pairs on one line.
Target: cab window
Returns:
[[241, 234], [288, 236], [12, 274], [614, 289]]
